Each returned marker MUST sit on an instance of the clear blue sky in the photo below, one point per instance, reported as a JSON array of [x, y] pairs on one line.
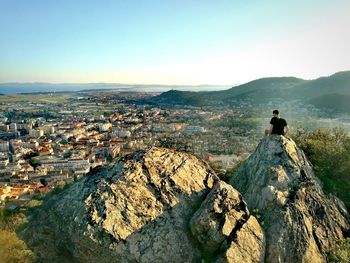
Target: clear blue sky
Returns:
[[173, 42]]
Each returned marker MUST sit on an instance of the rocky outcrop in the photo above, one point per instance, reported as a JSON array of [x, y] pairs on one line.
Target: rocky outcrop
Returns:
[[162, 205], [300, 222], [223, 216], [158, 205]]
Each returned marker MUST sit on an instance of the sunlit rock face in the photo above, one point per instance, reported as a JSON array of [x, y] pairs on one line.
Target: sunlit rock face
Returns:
[[224, 228], [162, 205], [158, 205], [300, 222]]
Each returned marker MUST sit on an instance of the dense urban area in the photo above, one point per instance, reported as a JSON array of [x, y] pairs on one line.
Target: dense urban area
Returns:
[[54, 139]]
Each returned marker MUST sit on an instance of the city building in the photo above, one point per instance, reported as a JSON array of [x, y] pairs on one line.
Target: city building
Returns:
[[36, 133], [4, 146], [13, 127]]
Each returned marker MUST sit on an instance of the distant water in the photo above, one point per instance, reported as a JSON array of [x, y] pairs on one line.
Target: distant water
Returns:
[[11, 88]]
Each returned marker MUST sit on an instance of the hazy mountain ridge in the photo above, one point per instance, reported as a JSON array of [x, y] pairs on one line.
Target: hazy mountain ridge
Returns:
[[336, 83], [266, 89], [272, 83], [335, 102]]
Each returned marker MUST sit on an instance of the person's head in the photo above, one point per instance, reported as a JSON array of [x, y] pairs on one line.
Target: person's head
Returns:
[[276, 113]]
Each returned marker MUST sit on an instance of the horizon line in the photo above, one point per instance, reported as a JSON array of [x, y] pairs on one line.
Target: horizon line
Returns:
[[158, 84], [113, 83]]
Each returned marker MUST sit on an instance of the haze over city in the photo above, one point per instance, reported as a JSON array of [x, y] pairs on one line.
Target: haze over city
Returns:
[[171, 42]]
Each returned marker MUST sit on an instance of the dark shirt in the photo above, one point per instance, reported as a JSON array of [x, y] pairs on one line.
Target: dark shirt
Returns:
[[278, 125]]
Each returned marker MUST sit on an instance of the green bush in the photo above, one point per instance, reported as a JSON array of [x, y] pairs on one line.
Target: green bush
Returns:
[[11, 220], [14, 250], [341, 252], [329, 152]]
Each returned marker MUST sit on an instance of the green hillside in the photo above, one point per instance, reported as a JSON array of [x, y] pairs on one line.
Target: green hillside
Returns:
[[258, 89], [177, 97], [266, 89], [264, 86], [333, 102], [338, 83]]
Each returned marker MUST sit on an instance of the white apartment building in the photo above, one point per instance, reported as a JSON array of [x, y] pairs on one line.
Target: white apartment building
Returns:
[[13, 127], [70, 164], [36, 133], [4, 146], [103, 127]]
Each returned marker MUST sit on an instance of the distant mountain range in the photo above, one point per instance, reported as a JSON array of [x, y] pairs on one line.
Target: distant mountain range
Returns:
[[14, 87], [332, 92]]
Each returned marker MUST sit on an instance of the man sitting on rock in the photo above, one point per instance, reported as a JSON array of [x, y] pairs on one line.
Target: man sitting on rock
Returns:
[[278, 126]]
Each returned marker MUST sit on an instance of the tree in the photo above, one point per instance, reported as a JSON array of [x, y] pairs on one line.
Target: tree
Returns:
[[43, 181], [34, 162]]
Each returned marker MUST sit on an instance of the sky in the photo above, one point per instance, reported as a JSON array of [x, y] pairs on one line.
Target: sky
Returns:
[[182, 42]]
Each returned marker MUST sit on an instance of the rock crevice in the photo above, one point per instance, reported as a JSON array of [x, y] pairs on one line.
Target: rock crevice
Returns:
[[140, 210]]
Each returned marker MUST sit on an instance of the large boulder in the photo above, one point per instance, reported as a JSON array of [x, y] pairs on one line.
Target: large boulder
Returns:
[[301, 223], [161, 205], [139, 210]]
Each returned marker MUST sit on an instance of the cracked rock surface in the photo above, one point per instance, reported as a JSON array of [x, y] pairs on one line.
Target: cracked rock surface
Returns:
[[223, 226], [158, 205], [301, 223], [162, 205]]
